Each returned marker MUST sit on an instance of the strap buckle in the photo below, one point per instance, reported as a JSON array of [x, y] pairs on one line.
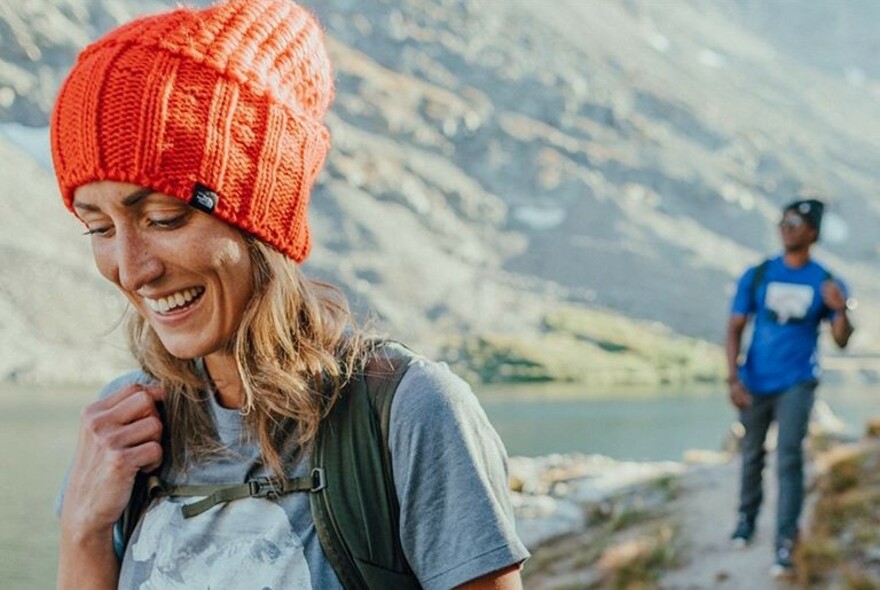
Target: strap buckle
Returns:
[[319, 482], [264, 487]]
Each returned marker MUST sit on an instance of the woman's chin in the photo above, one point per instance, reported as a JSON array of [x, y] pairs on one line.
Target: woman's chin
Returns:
[[188, 348], [183, 350]]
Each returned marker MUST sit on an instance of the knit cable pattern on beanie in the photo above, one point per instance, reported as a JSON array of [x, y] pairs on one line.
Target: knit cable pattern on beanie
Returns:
[[231, 98]]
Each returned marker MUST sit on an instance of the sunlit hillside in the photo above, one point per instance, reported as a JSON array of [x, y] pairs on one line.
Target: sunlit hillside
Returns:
[[497, 161]]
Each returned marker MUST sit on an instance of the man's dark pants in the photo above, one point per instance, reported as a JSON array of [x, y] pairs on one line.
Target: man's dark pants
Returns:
[[791, 410]]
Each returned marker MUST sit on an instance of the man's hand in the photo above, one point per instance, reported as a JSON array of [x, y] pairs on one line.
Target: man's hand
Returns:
[[832, 295], [740, 397]]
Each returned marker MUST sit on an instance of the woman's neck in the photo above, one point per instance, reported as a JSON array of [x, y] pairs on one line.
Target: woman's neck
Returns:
[[223, 371]]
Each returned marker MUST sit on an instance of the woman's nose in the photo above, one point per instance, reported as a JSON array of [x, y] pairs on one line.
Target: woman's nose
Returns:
[[137, 264]]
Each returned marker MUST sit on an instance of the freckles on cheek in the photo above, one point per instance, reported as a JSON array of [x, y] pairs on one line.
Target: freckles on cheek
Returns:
[[104, 264]]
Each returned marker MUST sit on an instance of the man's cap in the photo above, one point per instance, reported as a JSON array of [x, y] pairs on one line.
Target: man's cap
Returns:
[[810, 211]]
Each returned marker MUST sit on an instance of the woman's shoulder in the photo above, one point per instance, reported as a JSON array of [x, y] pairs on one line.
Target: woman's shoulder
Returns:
[[431, 393], [433, 382]]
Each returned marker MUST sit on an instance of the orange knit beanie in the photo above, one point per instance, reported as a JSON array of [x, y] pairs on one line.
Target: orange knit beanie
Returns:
[[221, 107]]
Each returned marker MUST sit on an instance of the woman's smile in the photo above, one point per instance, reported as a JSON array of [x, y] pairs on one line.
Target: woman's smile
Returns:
[[187, 273], [174, 302]]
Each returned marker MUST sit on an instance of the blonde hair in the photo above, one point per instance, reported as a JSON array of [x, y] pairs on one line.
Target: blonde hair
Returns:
[[295, 348]]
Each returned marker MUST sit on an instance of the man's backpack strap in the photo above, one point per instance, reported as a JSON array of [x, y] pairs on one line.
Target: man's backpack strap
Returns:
[[757, 280], [357, 513]]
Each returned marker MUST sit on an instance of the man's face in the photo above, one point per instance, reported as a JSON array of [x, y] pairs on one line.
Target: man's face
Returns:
[[797, 234]]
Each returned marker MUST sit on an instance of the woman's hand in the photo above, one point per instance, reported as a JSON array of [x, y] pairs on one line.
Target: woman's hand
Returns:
[[118, 436]]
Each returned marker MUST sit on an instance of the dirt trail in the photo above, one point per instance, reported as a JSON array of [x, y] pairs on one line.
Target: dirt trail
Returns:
[[705, 508]]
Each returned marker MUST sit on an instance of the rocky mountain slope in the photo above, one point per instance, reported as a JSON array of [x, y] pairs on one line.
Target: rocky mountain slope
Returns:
[[496, 161]]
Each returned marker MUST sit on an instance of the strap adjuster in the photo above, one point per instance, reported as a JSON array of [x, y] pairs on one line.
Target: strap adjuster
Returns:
[[319, 482], [264, 487]]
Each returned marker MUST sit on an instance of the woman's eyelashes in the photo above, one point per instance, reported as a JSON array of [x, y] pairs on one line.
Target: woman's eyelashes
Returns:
[[96, 231], [158, 222], [169, 222]]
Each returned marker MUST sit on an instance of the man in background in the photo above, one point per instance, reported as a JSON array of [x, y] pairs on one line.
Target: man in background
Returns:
[[787, 297]]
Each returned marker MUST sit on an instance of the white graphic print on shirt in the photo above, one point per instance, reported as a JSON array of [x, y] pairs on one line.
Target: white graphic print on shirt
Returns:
[[788, 301], [243, 544]]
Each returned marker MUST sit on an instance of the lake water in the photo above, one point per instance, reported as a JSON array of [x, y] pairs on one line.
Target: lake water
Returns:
[[632, 425], [38, 435]]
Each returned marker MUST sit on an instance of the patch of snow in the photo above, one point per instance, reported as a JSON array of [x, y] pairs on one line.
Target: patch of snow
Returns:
[[712, 59], [539, 218]]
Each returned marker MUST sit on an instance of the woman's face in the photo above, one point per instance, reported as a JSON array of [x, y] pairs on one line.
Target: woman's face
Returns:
[[187, 273]]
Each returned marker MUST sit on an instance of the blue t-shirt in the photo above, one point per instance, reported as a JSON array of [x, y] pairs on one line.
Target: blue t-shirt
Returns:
[[787, 309]]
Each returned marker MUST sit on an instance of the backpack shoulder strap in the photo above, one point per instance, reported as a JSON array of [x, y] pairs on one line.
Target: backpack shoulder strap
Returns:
[[357, 513], [758, 280]]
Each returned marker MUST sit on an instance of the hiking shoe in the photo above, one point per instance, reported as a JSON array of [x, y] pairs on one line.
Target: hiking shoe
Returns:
[[745, 530], [784, 566]]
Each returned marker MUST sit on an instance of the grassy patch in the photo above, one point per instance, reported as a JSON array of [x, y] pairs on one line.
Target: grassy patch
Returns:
[[637, 563], [628, 544], [841, 549], [591, 347]]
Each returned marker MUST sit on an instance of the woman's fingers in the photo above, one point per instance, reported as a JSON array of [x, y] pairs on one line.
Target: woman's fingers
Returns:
[[147, 456], [128, 420], [119, 435], [135, 433], [138, 404], [112, 400], [105, 418], [126, 405]]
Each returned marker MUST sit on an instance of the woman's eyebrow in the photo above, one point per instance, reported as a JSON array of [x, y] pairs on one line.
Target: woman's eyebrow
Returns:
[[129, 201], [135, 197], [86, 207]]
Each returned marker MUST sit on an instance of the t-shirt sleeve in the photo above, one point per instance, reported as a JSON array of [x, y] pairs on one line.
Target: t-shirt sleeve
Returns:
[[450, 472], [743, 301]]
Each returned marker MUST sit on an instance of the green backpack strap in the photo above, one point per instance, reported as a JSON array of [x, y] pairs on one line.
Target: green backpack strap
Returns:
[[214, 494], [357, 513], [757, 280]]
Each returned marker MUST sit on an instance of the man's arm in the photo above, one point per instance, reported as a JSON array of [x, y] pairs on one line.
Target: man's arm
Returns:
[[739, 395], [834, 298]]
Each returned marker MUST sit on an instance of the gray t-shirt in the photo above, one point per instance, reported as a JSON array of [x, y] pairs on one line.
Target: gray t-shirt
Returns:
[[450, 473]]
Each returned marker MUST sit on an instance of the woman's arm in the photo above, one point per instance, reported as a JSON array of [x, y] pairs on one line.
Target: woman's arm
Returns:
[[504, 579], [118, 436], [87, 560]]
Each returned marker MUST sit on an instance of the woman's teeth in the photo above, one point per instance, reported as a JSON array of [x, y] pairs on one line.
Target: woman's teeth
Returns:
[[173, 301]]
